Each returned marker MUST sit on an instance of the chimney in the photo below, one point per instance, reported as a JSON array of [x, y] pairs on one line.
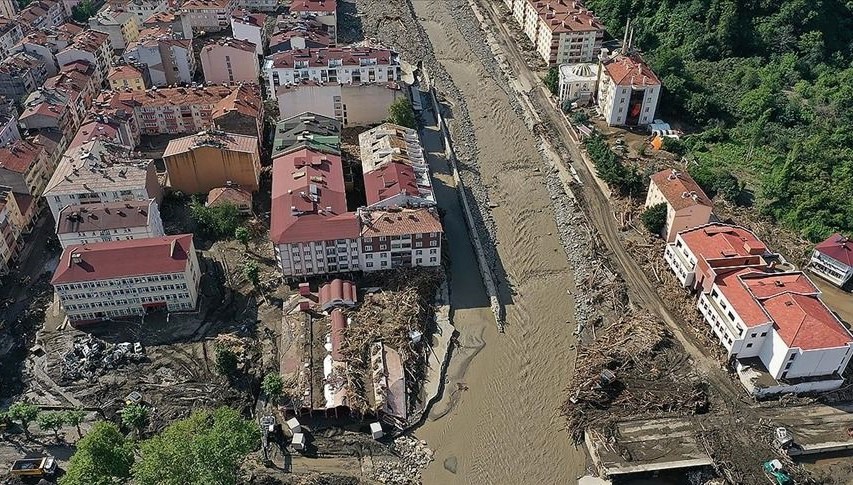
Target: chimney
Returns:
[[76, 258]]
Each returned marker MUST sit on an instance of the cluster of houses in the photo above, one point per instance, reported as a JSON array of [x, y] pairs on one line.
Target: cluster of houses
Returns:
[[767, 315]]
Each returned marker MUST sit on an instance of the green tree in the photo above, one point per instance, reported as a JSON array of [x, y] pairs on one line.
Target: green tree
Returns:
[[218, 222], [25, 413], [272, 386], [252, 272], [75, 417], [552, 81], [401, 113], [134, 416], [103, 457], [83, 11], [579, 117], [243, 235], [225, 360], [51, 422], [654, 218], [207, 447]]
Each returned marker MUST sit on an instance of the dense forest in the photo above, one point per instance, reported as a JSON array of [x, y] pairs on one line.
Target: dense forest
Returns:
[[767, 86]]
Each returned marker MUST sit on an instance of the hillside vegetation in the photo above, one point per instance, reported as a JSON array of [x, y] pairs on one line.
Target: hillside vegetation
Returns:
[[769, 86]]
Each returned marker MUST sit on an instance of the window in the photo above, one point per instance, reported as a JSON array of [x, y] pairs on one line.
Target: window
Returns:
[[788, 365], [433, 243], [793, 356], [714, 294], [418, 252], [753, 335], [368, 248], [431, 260], [418, 260], [748, 345], [763, 334], [432, 251], [419, 244], [369, 264]]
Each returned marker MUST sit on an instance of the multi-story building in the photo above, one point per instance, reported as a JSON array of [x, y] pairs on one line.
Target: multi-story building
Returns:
[[229, 61], [342, 65], [307, 130], [107, 128], [687, 206], [99, 172], [8, 8], [170, 21], [169, 60], [323, 11], [208, 15], [23, 209], [93, 47], [114, 221], [234, 109], [9, 243], [107, 280], [201, 162], [577, 82], [396, 174], [628, 91], [63, 101], [10, 34], [8, 122], [41, 14], [563, 31], [45, 44], [25, 167], [258, 5], [395, 237], [129, 77], [144, 9], [20, 75], [251, 27], [356, 104], [121, 25], [832, 260], [300, 38]]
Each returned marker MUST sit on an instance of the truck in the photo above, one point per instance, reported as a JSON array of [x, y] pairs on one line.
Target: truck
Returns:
[[43, 466]]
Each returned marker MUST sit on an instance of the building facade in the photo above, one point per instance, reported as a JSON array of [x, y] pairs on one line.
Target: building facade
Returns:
[[10, 34], [687, 206], [229, 61], [128, 77], [207, 15], [628, 91], [343, 65], [198, 163], [115, 221], [251, 27], [356, 104], [25, 167], [20, 75], [93, 47], [396, 174], [832, 260], [107, 280], [169, 61], [121, 25], [322, 11], [562, 31], [577, 82]]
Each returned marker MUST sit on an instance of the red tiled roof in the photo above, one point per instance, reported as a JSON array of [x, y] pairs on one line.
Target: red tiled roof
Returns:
[[205, 4], [244, 16], [244, 99], [714, 241], [389, 180], [680, 190], [95, 130], [837, 247], [297, 216], [243, 45], [19, 156], [234, 195], [400, 222], [338, 290], [567, 16], [630, 71], [313, 6], [124, 72], [349, 56], [339, 325], [121, 259]]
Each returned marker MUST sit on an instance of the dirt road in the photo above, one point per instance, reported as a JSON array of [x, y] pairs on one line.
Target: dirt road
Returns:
[[503, 427]]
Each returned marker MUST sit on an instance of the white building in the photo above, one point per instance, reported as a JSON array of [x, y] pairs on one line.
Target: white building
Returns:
[[114, 221], [249, 26], [207, 15], [832, 260], [108, 280], [8, 128], [562, 31], [143, 9], [10, 35], [687, 206], [395, 171], [577, 82], [628, 91], [99, 172], [169, 60], [323, 11], [352, 104], [93, 47], [343, 65]]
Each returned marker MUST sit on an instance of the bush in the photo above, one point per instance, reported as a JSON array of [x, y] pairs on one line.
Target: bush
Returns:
[[219, 222], [134, 416], [552, 81], [626, 180], [51, 422], [226, 361], [654, 218], [718, 181], [401, 113], [579, 117], [272, 386]]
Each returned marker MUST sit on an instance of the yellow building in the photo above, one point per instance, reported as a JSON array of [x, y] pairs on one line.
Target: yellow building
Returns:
[[126, 77], [209, 159]]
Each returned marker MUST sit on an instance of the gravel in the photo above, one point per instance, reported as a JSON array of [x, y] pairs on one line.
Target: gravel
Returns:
[[414, 456]]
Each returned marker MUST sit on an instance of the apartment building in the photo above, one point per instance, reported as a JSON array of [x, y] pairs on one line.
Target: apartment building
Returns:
[[307, 130], [93, 47], [342, 65], [235, 109], [8, 8], [296, 39], [108, 280], [100, 172], [323, 11], [356, 104], [628, 91], [562, 31], [113, 221], [170, 21], [121, 25], [8, 122], [832, 260], [46, 43], [41, 14], [106, 128], [144, 9], [396, 174], [63, 101], [23, 209], [396, 237], [20, 75], [251, 27], [128, 77], [25, 167], [169, 60], [207, 15], [198, 163], [687, 205], [9, 242], [258, 5], [229, 61], [10, 34]]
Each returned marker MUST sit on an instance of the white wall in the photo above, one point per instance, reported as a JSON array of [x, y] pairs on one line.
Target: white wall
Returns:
[[317, 99], [243, 31]]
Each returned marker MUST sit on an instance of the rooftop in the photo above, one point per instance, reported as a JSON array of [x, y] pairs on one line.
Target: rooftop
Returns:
[[98, 128], [630, 71], [244, 16], [399, 222], [99, 217], [98, 165], [123, 72], [199, 96], [837, 247], [122, 259], [217, 139], [232, 195], [715, 241], [313, 6], [567, 16], [307, 130], [206, 5], [680, 190], [19, 156], [347, 56], [243, 45]]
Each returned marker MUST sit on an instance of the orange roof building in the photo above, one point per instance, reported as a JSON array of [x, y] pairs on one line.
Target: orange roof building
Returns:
[[687, 205]]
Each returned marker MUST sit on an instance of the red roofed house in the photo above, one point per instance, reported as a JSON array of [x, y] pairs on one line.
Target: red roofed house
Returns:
[[338, 293], [832, 260], [395, 171], [324, 11], [687, 206], [232, 194], [331, 65], [698, 254], [563, 31], [25, 167], [107, 280], [628, 91]]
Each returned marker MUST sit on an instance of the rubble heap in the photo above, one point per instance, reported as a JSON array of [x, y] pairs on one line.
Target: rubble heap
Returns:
[[90, 357], [631, 369], [414, 456]]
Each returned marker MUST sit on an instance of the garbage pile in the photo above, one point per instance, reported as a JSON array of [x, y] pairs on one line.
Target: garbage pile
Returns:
[[414, 456], [90, 357]]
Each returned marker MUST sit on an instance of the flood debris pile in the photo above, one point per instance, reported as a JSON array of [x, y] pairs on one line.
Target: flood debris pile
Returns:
[[632, 369], [90, 357], [413, 456], [401, 317]]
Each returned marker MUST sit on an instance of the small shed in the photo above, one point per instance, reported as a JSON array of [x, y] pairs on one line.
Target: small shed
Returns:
[[294, 425], [232, 194], [298, 441], [376, 430]]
